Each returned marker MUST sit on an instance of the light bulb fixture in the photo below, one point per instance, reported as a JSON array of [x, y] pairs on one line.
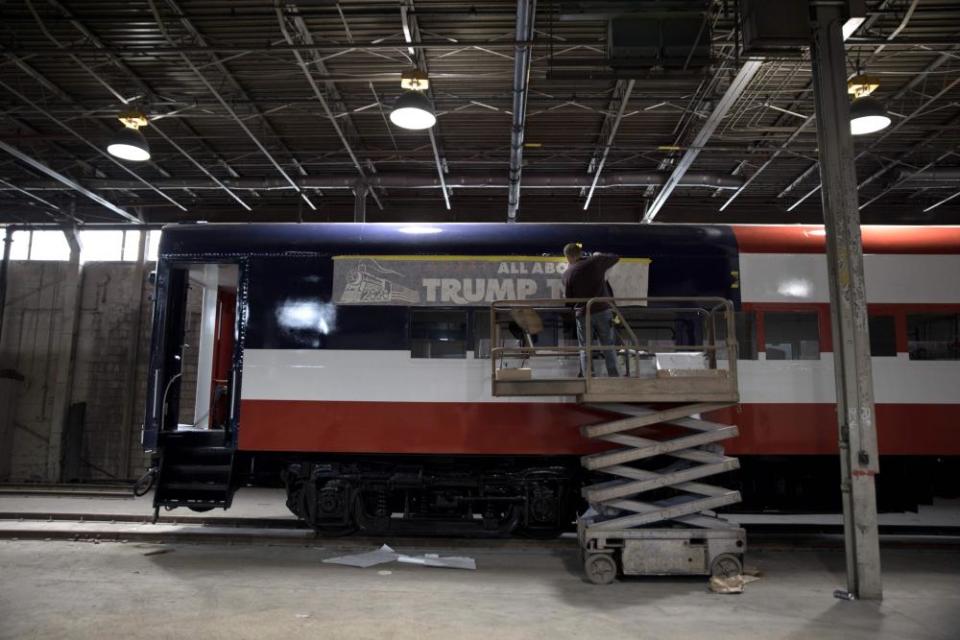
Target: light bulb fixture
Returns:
[[867, 115], [413, 111], [129, 143]]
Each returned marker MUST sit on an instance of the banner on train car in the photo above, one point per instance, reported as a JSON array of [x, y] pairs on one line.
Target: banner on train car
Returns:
[[466, 280]]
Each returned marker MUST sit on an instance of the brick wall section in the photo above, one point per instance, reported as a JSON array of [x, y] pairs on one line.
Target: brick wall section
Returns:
[[103, 375]]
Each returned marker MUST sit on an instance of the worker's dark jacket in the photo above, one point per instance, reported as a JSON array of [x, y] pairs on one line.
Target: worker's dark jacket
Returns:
[[587, 279]]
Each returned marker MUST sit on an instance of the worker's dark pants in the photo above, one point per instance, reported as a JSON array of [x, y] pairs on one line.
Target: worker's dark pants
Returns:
[[601, 325]]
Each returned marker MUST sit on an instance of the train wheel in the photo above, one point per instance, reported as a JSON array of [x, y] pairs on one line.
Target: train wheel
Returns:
[[601, 568], [201, 509]]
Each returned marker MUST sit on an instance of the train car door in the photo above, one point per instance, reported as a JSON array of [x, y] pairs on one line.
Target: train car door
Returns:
[[194, 350]]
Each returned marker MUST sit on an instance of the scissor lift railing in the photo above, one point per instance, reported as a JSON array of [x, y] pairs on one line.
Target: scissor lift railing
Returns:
[[654, 515]]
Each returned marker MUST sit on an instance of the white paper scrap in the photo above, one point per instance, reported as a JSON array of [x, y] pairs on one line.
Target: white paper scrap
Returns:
[[434, 560], [382, 555]]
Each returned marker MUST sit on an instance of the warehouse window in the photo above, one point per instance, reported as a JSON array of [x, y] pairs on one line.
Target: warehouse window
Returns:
[[933, 336], [883, 336], [39, 245], [792, 335], [20, 247], [95, 245], [438, 334], [49, 245]]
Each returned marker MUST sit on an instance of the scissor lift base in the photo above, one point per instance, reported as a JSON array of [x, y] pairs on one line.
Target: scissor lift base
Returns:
[[663, 551]]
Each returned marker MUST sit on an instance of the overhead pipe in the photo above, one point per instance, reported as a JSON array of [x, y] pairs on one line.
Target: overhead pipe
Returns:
[[526, 10], [948, 175], [410, 181]]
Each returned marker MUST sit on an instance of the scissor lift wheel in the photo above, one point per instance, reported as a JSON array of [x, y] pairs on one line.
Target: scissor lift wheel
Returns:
[[726, 565], [601, 568]]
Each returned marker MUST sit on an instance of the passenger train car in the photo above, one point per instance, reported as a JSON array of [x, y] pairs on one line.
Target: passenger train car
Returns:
[[351, 363]]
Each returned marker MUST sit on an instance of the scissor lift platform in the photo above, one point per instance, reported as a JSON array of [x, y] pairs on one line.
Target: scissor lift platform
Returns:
[[654, 515]]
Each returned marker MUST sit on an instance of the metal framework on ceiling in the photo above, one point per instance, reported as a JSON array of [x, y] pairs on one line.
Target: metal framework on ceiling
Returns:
[[274, 110]]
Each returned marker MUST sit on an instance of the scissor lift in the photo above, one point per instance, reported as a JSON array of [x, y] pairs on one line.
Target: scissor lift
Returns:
[[654, 515]]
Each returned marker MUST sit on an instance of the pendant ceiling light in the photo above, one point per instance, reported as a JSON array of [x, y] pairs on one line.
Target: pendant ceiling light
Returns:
[[413, 109], [867, 115], [129, 143]]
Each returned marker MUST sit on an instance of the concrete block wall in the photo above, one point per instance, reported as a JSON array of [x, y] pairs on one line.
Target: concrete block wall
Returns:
[[109, 364], [33, 325], [114, 329]]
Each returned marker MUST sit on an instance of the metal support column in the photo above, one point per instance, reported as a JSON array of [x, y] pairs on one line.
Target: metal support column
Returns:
[[848, 307], [360, 203], [4, 266]]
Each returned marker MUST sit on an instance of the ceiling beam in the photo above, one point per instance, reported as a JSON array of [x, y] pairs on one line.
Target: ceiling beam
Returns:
[[198, 37], [624, 98], [59, 177], [99, 151], [125, 101], [411, 35], [143, 86], [732, 94], [886, 134], [304, 36]]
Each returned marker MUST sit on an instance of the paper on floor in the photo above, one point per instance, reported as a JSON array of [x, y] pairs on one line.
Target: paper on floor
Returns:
[[385, 554], [382, 555], [434, 560]]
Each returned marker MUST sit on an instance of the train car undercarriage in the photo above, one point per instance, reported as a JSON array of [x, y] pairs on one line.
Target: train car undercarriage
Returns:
[[455, 497]]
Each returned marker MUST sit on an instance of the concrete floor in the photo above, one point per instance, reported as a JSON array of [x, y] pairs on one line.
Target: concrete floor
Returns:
[[114, 590], [269, 503]]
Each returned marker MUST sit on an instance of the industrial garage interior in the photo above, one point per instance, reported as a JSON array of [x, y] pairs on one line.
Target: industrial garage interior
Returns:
[[488, 319]]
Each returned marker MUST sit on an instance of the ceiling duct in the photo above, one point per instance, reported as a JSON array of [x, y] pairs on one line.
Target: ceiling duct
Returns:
[[664, 41], [782, 28]]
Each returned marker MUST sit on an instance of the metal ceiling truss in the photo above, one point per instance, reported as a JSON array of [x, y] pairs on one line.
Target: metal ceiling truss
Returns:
[[247, 104]]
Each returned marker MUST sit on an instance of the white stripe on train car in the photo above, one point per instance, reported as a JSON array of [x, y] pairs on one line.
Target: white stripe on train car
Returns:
[[393, 376], [904, 279], [367, 375], [895, 381]]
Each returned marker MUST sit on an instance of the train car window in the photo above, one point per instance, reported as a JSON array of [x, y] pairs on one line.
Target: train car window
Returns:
[[792, 335], [933, 336], [883, 337], [746, 328], [438, 334]]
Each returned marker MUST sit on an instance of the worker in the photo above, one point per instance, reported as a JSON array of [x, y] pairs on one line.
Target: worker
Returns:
[[587, 278]]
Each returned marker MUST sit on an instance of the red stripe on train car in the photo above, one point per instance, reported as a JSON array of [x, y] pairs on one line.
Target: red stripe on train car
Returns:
[[876, 239], [553, 429], [415, 427], [802, 429]]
